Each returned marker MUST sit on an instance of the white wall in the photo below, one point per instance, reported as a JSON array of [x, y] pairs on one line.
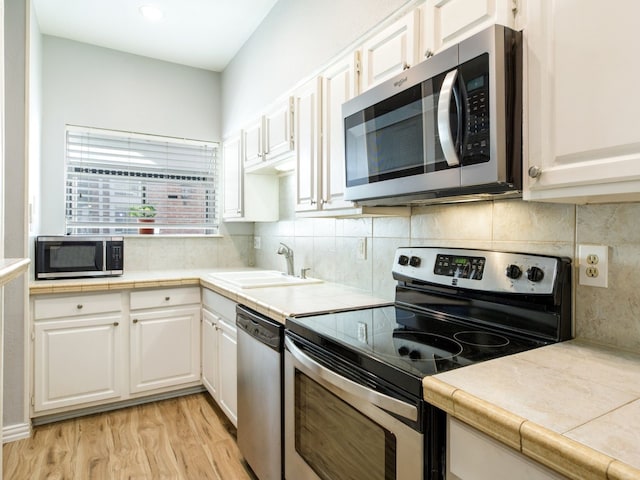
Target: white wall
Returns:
[[296, 39], [15, 194], [97, 87]]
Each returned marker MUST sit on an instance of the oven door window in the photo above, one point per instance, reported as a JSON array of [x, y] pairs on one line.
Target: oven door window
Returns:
[[333, 437]]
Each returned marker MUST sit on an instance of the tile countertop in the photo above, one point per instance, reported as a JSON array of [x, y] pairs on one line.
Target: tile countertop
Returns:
[[572, 406], [275, 302], [11, 268]]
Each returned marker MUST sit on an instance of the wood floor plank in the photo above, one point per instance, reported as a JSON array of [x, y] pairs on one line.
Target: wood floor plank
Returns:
[[128, 459], [180, 439]]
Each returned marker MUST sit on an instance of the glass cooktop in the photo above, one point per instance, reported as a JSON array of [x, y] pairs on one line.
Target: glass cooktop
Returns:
[[392, 339]]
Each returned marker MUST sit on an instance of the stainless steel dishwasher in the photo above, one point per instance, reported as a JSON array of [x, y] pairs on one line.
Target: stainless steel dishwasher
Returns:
[[260, 367]]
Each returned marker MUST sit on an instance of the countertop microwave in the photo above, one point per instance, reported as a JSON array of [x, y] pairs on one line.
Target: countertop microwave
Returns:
[[66, 256], [448, 128]]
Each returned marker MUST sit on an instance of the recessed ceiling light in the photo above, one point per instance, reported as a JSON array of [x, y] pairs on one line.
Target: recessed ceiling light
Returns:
[[151, 13]]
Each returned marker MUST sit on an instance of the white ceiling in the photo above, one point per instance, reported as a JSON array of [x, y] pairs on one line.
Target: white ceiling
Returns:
[[199, 33]]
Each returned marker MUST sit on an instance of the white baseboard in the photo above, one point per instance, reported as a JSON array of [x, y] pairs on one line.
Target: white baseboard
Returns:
[[11, 433]]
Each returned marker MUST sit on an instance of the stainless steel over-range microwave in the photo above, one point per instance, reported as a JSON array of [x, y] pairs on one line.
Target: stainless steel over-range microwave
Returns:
[[449, 127], [67, 256]]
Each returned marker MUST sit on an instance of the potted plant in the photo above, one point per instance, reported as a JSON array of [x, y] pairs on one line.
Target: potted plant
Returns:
[[145, 213]]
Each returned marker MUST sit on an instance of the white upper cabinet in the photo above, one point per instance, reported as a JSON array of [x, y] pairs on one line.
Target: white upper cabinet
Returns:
[[278, 134], [308, 108], [253, 149], [581, 136], [232, 179], [446, 22], [269, 138], [390, 51], [339, 84], [246, 197]]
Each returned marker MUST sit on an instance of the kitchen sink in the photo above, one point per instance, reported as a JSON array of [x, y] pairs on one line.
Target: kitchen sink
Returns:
[[261, 278]]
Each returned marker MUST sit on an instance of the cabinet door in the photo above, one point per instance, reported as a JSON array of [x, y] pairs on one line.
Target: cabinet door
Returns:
[[77, 361], [447, 22], [390, 51], [165, 348], [278, 132], [228, 387], [232, 179], [210, 365], [582, 137], [339, 84], [307, 129], [252, 144], [472, 455]]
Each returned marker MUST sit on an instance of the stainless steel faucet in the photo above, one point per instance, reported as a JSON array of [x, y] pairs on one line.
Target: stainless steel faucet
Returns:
[[288, 255]]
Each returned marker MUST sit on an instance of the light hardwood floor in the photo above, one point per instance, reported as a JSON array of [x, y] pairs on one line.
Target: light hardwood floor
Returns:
[[183, 438]]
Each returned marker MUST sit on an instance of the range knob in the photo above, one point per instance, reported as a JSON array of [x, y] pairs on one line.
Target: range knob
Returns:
[[403, 260], [403, 350], [415, 261], [535, 274], [514, 271]]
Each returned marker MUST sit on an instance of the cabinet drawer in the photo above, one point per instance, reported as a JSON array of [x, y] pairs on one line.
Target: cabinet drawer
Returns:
[[165, 297], [220, 304], [55, 307]]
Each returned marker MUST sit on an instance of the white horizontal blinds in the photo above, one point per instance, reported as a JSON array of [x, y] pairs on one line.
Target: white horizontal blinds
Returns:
[[109, 174]]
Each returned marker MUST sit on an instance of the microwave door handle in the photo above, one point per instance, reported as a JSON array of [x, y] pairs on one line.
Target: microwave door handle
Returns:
[[444, 128], [384, 402]]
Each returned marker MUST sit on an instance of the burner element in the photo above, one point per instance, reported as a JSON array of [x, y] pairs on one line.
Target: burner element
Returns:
[[481, 339], [420, 345]]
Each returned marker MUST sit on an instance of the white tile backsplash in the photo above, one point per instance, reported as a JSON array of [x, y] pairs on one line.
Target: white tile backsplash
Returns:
[[329, 247]]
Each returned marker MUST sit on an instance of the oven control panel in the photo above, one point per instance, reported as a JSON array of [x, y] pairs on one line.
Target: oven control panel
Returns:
[[478, 269]]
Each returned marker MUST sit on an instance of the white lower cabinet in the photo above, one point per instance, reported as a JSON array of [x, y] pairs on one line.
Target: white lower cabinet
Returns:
[[219, 352], [210, 370], [77, 361], [228, 387], [165, 348], [78, 347], [472, 455], [94, 349]]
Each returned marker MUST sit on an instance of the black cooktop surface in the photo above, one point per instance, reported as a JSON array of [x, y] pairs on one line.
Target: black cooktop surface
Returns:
[[400, 341]]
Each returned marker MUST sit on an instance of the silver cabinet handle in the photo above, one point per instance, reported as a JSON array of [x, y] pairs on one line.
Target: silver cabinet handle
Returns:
[[444, 129], [383, 401], [535, 171]]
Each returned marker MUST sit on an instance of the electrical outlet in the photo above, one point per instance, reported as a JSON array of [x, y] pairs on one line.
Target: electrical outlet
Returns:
[[593, 264], [362, 248], [362, 332], [257, 243]]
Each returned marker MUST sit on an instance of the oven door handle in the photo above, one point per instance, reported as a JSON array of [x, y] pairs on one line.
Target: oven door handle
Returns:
[[384, 402]]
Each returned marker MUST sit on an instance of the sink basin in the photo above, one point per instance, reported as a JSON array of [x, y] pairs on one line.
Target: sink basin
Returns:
[[261, 278]]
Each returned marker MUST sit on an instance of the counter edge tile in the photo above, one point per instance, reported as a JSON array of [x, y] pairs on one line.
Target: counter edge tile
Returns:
[[500, 424], [564, 455]]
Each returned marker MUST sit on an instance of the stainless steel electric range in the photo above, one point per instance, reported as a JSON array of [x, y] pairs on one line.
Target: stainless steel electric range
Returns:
[[353, 379]]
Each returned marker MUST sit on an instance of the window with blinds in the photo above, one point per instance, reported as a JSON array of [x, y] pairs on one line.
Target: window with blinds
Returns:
[[118, 182]]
